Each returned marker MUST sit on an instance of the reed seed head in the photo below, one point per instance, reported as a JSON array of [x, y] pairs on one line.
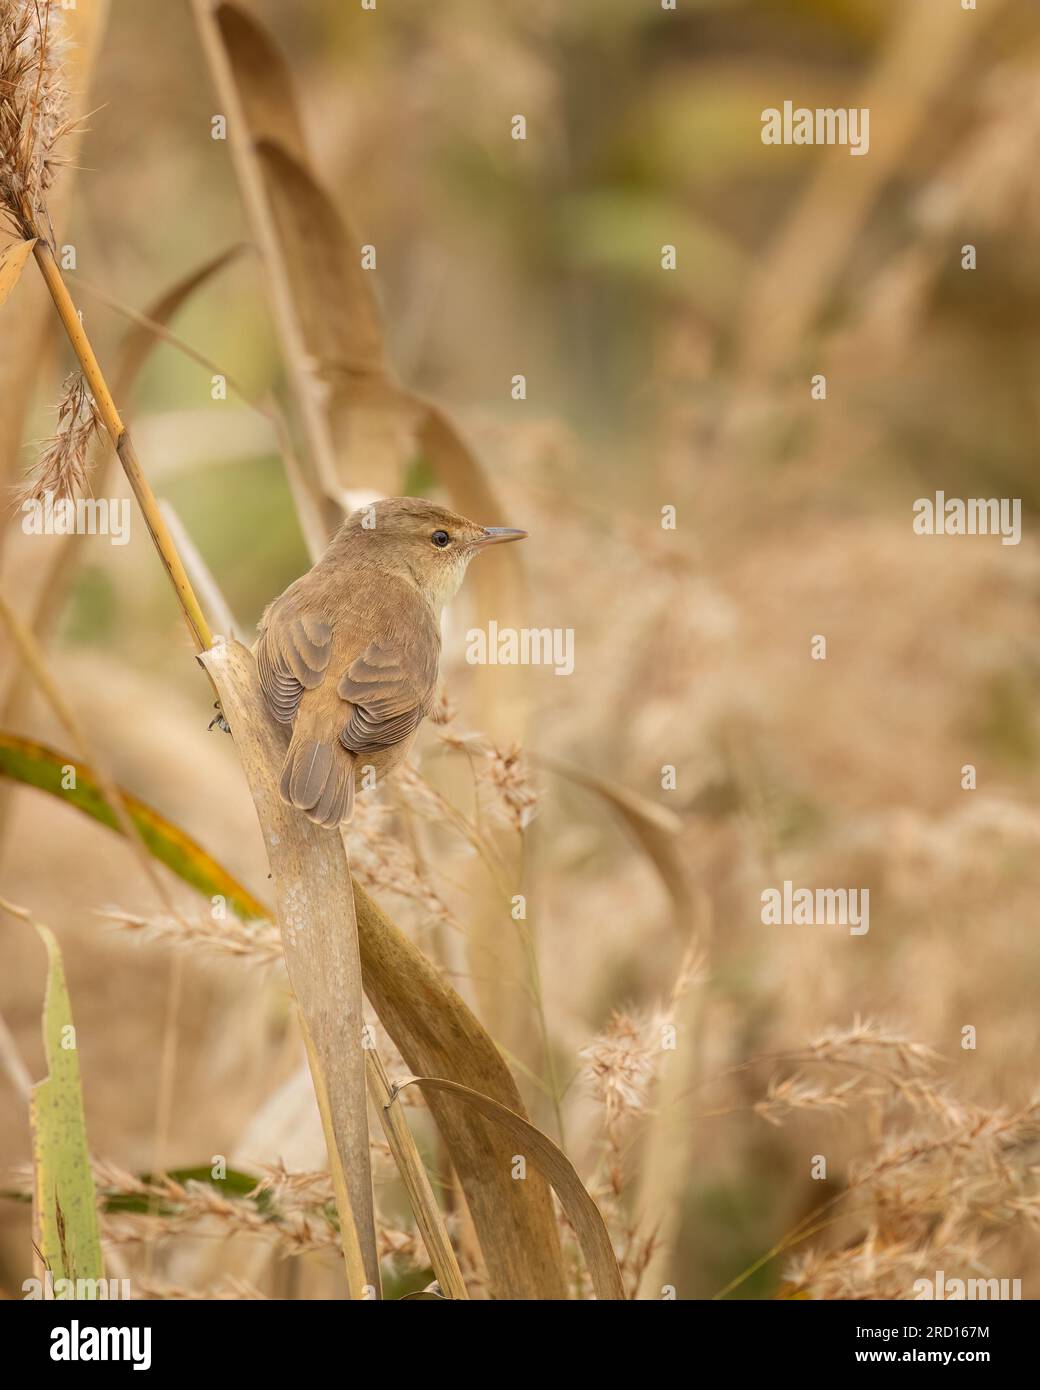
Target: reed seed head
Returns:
[[61, 469], [33, 109]]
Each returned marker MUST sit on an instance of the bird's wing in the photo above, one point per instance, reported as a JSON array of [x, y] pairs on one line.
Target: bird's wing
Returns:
[[391, 691], [292, 655]]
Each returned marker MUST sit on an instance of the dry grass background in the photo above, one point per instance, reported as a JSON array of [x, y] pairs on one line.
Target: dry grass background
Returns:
[[692, 646]]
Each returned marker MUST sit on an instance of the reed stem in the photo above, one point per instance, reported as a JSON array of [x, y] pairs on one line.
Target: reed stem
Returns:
[[124, 447]]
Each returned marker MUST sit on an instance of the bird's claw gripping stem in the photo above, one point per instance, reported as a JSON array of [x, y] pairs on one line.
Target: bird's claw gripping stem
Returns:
[[218, 721]]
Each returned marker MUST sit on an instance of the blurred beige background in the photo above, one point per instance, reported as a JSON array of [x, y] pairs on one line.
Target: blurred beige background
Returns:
[[645, 388]]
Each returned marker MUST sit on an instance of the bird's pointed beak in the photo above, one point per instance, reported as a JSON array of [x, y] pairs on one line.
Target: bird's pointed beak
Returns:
[[498, 535]]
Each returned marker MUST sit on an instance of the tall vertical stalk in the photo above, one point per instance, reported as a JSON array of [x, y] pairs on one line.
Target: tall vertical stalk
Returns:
[[261, 220], [123, 444]]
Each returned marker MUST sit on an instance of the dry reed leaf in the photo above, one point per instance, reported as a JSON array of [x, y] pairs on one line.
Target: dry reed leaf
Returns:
[[338, 305], [581, 1210], [363, 427], [654, 828], [314, 909], [375, 423], [436, 1033], [335, 309], [12, 263], [263, 79], [667, 1156], [457, 469], [427, 1213], [432, 1027], [371, 420], [235, 72]]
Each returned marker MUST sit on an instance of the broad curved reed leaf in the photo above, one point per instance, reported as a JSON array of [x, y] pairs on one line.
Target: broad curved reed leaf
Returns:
[[550, 1160], [264, 82], [654, 828], [370, 419]]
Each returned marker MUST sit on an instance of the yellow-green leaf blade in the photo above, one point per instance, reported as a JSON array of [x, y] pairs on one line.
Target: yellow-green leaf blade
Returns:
[[39, 766], [64, 1201]]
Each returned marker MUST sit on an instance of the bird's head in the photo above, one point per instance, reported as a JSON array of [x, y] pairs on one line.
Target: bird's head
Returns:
[[430, 543]]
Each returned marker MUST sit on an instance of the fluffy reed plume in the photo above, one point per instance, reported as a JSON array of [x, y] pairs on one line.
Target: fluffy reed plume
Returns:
[[256, 942], [620, 1066], [295, 1212], [61, 469], [946, 1183], [503, 777], [872, 1045], [297, 1215], [168, 1206], [964, 1162], [297, 1233], [884, 1063], [868, 1270], [622, 1063], [963, 1183], [427, 802], [386, 866], [792, 1093], [182, 1214], [289, 1189], [33, 110]]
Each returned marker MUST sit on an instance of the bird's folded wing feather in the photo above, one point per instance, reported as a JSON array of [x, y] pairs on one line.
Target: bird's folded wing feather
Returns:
[[292, 654], [390, 691]]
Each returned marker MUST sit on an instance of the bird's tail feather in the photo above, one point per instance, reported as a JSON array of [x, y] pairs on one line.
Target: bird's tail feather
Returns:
[[318, 779]]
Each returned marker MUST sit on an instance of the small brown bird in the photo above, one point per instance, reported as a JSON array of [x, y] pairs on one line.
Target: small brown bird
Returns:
[[348, 655]]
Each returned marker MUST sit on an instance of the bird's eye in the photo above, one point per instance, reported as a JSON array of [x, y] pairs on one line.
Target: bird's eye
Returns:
[[440, 539]]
